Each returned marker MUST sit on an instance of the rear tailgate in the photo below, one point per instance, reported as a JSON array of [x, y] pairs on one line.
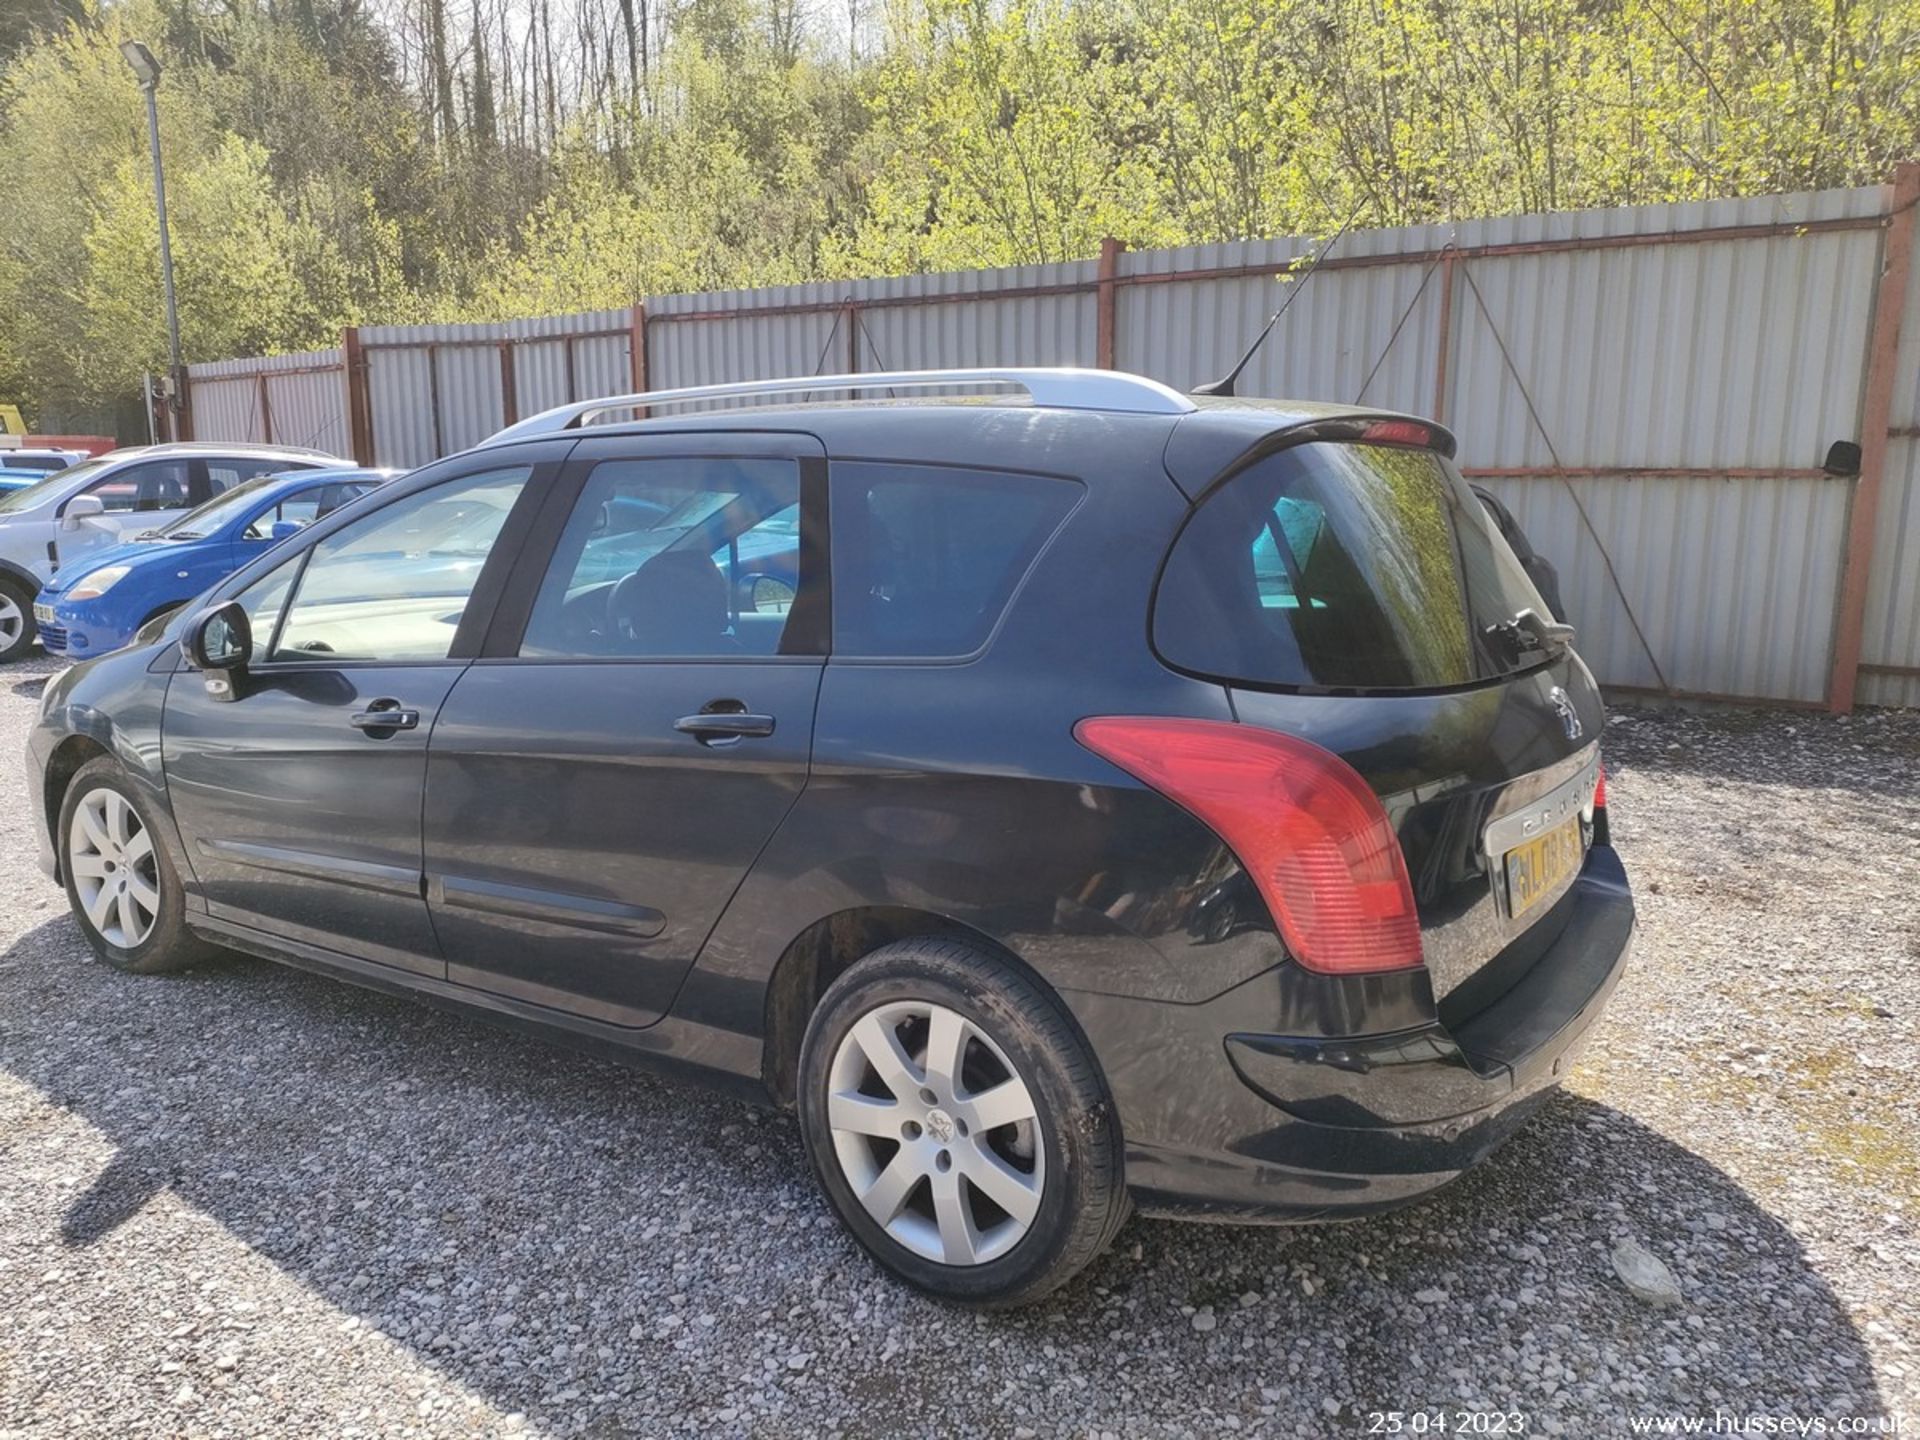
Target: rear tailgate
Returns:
[[1468, 780], [1357, 595]]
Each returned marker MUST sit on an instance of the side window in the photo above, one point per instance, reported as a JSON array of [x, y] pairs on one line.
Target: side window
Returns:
[[925, 558], [157, 485], [302, 509], [224, 474], [695, 556], [393, 585], [1284, 551], [265, 599]]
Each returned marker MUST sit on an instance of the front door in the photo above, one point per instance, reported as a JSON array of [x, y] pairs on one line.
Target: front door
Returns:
[[640, 722], [299, 801]]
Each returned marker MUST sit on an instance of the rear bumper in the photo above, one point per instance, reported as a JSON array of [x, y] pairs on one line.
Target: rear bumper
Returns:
[[1305, 1128]]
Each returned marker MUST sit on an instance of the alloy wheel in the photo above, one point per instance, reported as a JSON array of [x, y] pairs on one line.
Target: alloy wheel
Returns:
[[936, 1133], [115, 873], [13, 620]]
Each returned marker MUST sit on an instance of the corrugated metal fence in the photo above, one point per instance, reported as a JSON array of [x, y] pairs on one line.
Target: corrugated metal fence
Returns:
[[1677, 372]]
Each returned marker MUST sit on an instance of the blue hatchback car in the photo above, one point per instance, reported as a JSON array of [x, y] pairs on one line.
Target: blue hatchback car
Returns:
[[99, 598]]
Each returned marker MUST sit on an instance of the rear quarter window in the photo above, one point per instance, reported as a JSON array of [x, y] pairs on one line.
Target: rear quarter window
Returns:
[[926, 558], [1339, 566]]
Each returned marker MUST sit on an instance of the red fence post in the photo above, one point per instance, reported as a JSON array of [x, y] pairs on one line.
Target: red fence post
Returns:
[[637, 347], [1110, 249], [1446, 339], [180, 414], [266, 410], [1876, 409], [359, 404], [509, 386]]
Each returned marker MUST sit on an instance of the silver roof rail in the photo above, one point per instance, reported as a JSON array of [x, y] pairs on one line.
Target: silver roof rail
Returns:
[[1059, 389]]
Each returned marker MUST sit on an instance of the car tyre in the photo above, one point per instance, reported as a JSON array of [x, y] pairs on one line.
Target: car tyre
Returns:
[[120, 879], [17, 630], [991, 1211]]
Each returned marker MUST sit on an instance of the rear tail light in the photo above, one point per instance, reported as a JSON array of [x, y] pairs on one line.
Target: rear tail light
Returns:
[[1602, 829], [1308, 829]]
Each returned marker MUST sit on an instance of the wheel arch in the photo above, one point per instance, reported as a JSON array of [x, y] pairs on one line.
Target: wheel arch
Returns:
[[65, 762], [826, 949], [20, 577]]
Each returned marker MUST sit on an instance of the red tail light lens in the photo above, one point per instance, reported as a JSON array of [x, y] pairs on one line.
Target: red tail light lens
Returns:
[[1600, 790], [1313, 836]]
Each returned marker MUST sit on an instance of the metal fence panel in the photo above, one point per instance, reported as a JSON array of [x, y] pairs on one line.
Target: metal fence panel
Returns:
[[684, 352], [1736, 353], [400, 384], [228, 409], [1333, 344], [304, 400], [1691, 364], [1891, 636], [1733, 581], [900, 328]]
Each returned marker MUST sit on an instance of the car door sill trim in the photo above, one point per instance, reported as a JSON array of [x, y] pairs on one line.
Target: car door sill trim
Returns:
[[360, 874], [707, 1051], [554, 906]]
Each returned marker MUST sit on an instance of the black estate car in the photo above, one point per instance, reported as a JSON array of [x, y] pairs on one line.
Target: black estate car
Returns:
[[1069, 795]]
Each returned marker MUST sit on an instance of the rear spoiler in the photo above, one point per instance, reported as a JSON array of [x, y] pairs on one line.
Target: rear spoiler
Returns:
[[1199, 457]]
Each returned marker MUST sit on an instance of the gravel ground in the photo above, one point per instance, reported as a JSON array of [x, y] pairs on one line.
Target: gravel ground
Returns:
[[244, 1201]]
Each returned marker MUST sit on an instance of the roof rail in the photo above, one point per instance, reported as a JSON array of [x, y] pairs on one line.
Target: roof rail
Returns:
[[1060, 389]]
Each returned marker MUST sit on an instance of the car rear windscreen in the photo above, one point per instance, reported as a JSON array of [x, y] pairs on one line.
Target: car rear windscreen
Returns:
[[1366, 567]]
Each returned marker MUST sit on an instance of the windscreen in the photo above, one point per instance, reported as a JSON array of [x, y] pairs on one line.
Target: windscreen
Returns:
[[197, 524], [1368, 567], [41, 491]]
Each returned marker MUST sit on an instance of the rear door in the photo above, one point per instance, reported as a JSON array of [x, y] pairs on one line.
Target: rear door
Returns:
[[639, 724], [1359, 596]]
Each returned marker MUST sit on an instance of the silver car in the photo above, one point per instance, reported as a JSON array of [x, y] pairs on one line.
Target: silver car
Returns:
[[115, 497]]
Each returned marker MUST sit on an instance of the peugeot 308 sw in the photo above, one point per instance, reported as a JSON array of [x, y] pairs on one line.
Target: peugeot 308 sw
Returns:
[[1068, 795]]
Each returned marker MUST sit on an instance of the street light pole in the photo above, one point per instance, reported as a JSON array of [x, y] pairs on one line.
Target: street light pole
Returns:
[[141, 60]]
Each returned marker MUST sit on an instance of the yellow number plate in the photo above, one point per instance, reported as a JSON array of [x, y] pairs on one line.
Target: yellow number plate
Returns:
[[1537, 869]]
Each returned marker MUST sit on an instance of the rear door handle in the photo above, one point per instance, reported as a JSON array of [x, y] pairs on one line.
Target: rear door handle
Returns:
[[386, 715], [724, 728]]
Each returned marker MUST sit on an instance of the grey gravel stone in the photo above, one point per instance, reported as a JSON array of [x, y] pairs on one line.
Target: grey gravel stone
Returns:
[[1646, 1275], [325, 1184]]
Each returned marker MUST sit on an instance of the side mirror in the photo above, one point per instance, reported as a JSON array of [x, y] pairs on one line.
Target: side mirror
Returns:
[[81, 507], [219, 643], [769, 594], [286, 530]]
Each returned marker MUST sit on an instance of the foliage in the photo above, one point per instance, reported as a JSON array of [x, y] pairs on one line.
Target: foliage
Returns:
[[331, 164]]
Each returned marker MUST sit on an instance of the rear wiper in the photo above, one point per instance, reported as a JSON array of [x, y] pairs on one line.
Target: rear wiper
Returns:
[[1528, 630]]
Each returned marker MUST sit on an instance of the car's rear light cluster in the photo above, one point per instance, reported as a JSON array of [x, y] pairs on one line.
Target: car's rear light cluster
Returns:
[[1310, 832], [1602, 831]]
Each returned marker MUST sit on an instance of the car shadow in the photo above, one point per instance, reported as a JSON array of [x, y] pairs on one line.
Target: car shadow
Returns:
[[387, 1155]]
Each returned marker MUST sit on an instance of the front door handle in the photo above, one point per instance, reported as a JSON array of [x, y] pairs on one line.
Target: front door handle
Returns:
[[386, 715], [725, 727]]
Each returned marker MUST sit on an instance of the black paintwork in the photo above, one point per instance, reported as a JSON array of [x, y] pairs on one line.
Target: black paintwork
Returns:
[[550, 848]]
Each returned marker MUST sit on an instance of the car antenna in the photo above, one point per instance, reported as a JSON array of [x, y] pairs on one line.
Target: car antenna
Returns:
[[1224, 386]]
